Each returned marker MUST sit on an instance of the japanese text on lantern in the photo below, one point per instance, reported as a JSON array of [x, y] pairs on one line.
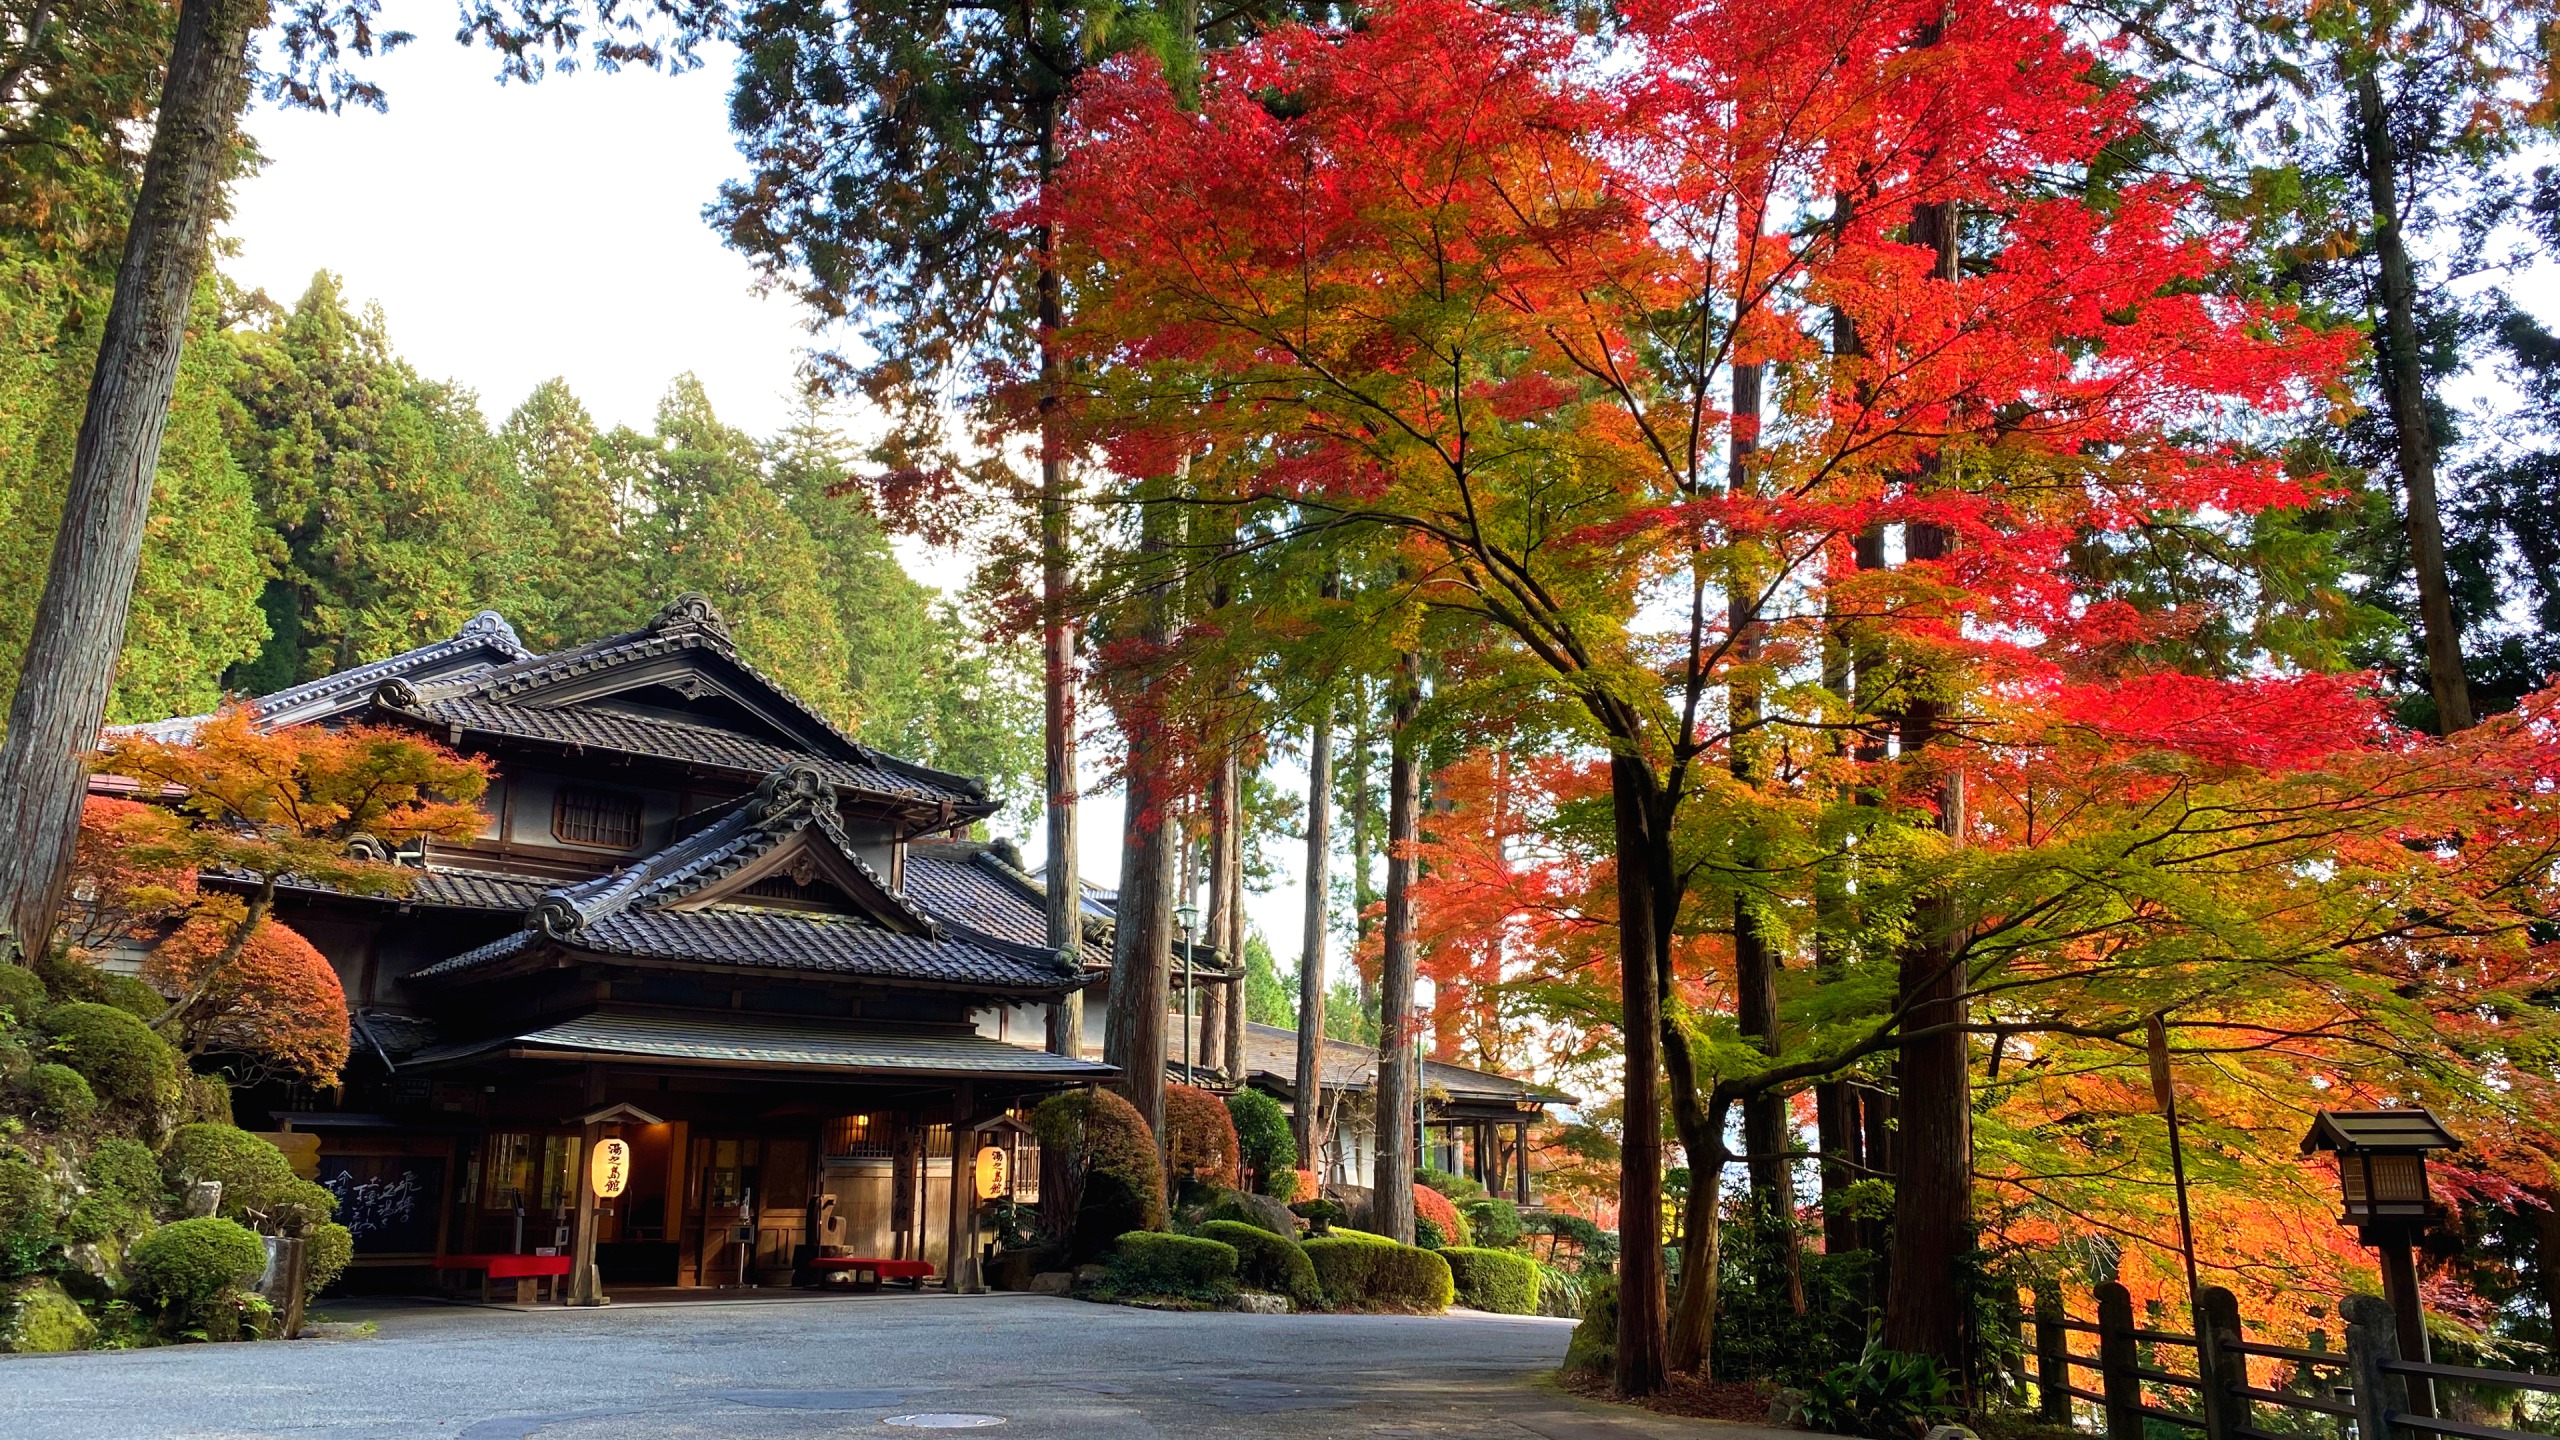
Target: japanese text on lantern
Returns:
[[611, 1168]]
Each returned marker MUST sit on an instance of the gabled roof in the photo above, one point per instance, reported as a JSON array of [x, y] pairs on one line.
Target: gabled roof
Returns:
[[2407, 1129], [690, 903], [974, 889], [764, 1044], [485, 642]]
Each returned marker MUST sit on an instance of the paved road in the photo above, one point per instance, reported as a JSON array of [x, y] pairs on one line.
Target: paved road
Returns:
[[792, 1371]]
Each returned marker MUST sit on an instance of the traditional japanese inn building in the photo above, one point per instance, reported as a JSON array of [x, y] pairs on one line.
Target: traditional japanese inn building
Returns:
[[703, 921]]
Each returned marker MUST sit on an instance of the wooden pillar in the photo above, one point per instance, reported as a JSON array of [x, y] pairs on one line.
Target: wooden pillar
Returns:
[[584, 1286], [2118, 1362], [1521, 1155], [961, 1253]]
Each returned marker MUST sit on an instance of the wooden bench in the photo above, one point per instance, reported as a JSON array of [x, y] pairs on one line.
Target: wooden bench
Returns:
[[526, 1270], [856, 1267]]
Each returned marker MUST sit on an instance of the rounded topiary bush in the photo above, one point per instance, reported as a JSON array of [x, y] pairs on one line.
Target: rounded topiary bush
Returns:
[[1100, 1142], [1502, 1281], [1199, 1138], [1495, 1221], [21, 993], [1264, 1142], [254, 1175], [1266, 1261], [1431, 1205], [1151, 1263], [27, 1221], [58, 1097], [124, 1063], [124, 1170], [1360, 1271], [188, 1265], [132, 995], [328, 1249]]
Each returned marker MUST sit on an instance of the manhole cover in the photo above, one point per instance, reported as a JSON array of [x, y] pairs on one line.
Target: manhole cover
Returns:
[[943, 1421]]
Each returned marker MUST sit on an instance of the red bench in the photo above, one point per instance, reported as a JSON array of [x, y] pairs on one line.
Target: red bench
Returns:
[[525, 1270], [855, 1267]]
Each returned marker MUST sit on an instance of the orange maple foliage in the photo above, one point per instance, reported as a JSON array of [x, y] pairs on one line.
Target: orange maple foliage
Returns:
[[279, 1003]]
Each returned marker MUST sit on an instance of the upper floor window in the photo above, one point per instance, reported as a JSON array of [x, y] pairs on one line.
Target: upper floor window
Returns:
[[603, 818]]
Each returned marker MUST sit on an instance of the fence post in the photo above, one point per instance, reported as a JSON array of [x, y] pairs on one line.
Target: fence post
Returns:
[[2121, 1386], [2373, 1336], [2053, 1357], [2221, 1372]]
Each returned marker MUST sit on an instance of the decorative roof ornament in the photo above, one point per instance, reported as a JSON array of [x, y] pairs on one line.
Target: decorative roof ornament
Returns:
[[490, 625], [397, 694], [787, 794], [557, 916], [691, 611]]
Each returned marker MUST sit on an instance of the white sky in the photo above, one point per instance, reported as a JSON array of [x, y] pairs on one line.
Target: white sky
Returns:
[[513, 233]]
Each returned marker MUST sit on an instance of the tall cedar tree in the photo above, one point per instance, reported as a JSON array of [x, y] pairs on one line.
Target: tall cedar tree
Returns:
[[1427, 279]]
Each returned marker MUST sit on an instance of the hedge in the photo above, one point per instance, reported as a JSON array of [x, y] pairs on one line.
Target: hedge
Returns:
[[1153, 1263], [1124, 1183], [189, 1264], [1268, 1262], [1263, 1138], [1360, 1271], [1502, 1281], [1495, 1220], [115, 1052]]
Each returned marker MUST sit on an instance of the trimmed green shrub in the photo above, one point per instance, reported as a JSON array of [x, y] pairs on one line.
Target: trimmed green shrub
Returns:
[[1502, 1281], [1266, 1261], [99, 1217], [1319, 1213], [1360, 1271], [1154, 1263], [124, 1170], [1496, 1222], [21, 992], [1593, 1350], [1263, 1137], [188, 1265], [59, 1097], [1101, 1136], [1431, 1205], [132, 995], [116, 1053], [326, 1251], [1448, 1182], [27, 1223], [257, 1181], [1281, 1185], [1427, 1233], [38, 1318]]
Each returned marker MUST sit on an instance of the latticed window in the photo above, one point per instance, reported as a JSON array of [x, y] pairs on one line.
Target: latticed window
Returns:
[[859, 1137], [596, 817]]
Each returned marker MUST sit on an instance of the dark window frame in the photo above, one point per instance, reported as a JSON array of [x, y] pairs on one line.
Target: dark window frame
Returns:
[[601, 808]]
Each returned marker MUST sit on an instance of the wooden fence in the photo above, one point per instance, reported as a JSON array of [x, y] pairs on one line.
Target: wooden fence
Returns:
[[2366, 1392]]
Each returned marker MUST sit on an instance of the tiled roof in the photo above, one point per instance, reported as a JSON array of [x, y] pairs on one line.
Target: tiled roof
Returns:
[[485, 641], [1271, 1053], [595, 728], [632, 911], [767, 1044], [780, 940], [970, 887]]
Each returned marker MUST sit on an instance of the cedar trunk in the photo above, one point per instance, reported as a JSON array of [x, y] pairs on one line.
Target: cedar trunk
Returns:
[[1310, 1078], [79, 627], [1392, 1200], [1063, 898], [1217, 1002], [1640, 1358], [2404, 385], [1150, 842]]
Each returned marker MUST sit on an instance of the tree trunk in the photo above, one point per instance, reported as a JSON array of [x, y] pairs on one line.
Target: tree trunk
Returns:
[[1231, 1028], [1641, 1305], [2404, 385], [69, 666], [1362, 896], [1064, 898], [1217, 1000], [1398, 1104], [1311, 940], [1692, 1344], [1142, 928]]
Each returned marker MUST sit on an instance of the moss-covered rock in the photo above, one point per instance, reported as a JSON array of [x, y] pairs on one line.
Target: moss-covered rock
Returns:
[[37, 1317], [191, 1265], [58, 1097], [1266, 1261], [123, 1061], [1257, 1210], [22, 994], [1502, 1281], [29, 1222]]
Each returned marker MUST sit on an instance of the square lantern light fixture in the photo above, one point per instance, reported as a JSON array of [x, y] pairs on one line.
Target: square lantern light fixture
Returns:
[[2382, 1164]]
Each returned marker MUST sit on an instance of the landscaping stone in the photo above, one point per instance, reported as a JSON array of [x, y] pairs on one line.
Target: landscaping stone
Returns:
[[39, 1318], [1254, 1302], [1053, 1282]]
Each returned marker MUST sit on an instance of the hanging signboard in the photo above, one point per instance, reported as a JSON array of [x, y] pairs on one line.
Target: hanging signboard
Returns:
[[610, 1170], [995, 1172]]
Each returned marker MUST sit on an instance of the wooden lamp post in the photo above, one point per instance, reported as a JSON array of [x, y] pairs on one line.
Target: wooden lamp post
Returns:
[[2382, 1176]]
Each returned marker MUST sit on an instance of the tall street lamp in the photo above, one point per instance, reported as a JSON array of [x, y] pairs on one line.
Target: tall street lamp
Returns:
[[2382, 1177], [1188, 917]]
